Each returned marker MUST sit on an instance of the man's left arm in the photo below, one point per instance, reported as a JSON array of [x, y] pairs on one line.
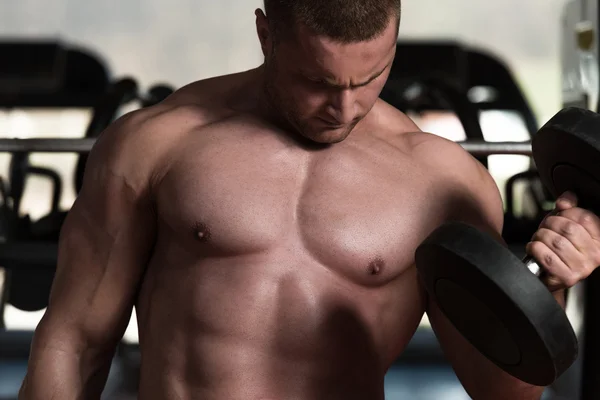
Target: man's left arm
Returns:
[[566, 245]]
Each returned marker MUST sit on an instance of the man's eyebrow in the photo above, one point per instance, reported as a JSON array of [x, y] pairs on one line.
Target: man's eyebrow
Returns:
[[371, 79], [331, 84]]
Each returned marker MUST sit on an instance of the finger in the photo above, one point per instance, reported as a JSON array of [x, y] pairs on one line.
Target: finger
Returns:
[[550, 214], [587, 219], [572, 231], [562, 248], [566, 201], [558, 274]]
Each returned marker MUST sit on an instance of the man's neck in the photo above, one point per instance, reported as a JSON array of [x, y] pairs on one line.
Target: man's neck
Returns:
[[264, 105], [251, 97], [269, 112]]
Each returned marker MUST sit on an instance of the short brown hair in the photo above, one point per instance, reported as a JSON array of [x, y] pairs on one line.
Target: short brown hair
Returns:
[[346, 21]]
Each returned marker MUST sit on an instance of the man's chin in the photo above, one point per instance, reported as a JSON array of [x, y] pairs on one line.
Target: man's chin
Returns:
[[327, 136]]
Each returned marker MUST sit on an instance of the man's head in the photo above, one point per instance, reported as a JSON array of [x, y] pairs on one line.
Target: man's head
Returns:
[[326, 61]]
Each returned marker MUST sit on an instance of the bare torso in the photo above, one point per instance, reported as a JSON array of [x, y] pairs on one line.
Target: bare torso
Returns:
[[281, 271]]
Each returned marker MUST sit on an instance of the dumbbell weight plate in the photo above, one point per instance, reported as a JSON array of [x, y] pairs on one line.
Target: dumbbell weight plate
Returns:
[[497, 304], [566, 152]]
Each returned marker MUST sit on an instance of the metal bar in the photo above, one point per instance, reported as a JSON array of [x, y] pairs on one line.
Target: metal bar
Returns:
[[482, 148], [47, 145], [61, 145]]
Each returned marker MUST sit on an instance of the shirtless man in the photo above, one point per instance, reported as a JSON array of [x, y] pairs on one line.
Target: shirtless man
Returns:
[[264, 224]]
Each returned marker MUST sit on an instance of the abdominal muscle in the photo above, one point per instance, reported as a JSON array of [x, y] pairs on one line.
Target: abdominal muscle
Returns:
[[255, 328]]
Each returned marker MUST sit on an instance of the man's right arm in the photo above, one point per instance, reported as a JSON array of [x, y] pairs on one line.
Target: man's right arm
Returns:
[[472, 197], [104, 246]]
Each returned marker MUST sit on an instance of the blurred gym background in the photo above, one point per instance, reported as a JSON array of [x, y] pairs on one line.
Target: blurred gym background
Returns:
[[503, 62]]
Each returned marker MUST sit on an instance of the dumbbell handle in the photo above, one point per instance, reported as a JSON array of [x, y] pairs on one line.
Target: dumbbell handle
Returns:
[[532, 265]]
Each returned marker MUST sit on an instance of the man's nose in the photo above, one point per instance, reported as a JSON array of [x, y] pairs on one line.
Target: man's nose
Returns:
[[342, 106]]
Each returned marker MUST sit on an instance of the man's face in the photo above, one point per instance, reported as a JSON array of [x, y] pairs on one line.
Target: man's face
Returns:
[[322, 88]]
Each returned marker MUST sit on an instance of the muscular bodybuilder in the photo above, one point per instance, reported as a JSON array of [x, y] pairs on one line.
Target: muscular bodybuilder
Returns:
[[264, 226]]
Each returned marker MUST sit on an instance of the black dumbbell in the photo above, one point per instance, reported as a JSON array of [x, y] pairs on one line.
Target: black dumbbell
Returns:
[[498, 302]]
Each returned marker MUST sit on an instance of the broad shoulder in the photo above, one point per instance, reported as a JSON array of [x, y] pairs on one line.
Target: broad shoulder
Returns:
[[457, 178], [139, 145], [143, 144], [215, 93], [468, 187]]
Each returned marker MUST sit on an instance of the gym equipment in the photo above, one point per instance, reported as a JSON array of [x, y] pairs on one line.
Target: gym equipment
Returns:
[[497, 301], [35, 67], [47, 145], [31, 267], [19, 168], [485, 70], [464, 68], [46, 75], [50, 74]]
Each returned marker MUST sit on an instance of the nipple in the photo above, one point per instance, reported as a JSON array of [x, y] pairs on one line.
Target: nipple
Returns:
[[376, 267], [201, 232]]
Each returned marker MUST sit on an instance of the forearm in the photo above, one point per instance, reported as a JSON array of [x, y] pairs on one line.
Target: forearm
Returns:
[[63, 374], [481, 378], [487, 381]]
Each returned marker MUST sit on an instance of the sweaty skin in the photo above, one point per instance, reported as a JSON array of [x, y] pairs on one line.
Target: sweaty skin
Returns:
[[262, 265]]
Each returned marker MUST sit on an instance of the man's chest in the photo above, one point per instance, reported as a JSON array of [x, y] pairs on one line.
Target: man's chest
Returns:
[[360, 216]]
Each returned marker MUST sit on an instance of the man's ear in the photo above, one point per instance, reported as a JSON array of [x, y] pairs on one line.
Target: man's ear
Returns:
[[264, 33]]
